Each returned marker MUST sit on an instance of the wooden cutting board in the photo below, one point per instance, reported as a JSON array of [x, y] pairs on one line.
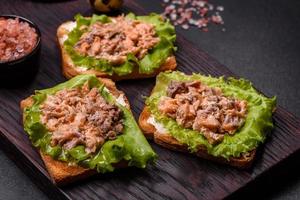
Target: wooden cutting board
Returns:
[[175, 175]]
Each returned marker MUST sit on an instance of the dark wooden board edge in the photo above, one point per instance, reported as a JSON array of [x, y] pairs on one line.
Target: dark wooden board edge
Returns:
[[42, 181], [267, 176], [281, 172]]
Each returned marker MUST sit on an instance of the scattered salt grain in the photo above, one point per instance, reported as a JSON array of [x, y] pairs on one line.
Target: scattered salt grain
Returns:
[[185, 26], [216, 19], [198, 13], [210, 7], [173, 16], [201, 4], [220, 8]]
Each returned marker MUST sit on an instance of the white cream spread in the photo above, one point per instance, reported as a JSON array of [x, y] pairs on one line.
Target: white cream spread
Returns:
[[120, 100], [82, 68], [69, 26], [158, 126]]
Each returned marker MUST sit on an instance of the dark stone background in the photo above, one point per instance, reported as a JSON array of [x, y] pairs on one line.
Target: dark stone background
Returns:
[[261, 43]]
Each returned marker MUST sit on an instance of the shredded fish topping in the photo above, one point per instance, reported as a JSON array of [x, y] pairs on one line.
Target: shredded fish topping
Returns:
[[113, 41], [205, 109], [81, 116]]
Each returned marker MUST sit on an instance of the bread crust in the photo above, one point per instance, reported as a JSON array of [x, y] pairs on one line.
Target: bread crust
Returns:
[[61, 172], [70, 70], [168, 141]]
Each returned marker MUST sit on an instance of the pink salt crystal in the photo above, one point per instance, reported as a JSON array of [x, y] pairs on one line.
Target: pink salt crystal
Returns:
[[17, 39], [173, 16], [216, 19], [185, 26], [198, 13], [220, 8], [203, 11]]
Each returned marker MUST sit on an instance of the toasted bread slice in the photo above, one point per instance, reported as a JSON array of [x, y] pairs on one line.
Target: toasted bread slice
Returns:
[[61, 172], [168, 141], [70, 69]]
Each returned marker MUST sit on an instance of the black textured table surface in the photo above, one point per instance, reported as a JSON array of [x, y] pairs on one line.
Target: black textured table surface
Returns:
[[261, 43]]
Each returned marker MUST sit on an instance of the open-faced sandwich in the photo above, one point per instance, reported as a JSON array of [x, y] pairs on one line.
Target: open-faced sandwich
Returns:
[[215, 118], [123, 47], [82, 127]]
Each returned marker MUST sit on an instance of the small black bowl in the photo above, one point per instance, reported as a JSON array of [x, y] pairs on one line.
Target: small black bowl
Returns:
[[25, 67]]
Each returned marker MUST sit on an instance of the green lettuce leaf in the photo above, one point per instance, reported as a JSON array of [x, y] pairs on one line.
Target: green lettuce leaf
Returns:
[[130, 146], [155, 57], [257, 124]]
